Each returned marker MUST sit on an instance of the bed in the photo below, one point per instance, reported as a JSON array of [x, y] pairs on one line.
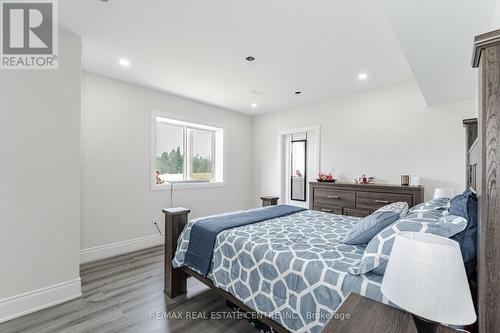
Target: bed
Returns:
[[293, 269]]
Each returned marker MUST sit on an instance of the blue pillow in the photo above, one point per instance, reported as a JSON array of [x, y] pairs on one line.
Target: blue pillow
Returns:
[[435, 214], [439, 204], [465, 205], [363, 231], [378, 250]]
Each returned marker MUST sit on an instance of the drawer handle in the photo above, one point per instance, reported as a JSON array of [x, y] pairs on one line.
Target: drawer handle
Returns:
[[333, 197], [382, 201], [326, 210]]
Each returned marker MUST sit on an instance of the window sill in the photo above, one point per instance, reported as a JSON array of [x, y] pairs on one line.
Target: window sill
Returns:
[[179, 186]]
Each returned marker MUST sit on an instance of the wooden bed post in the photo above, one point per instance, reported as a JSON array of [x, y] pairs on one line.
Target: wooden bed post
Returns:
[[174, 279], [487, 59]]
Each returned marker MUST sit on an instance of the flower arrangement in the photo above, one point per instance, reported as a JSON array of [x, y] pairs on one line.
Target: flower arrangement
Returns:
[[326, 177], [158, 178]]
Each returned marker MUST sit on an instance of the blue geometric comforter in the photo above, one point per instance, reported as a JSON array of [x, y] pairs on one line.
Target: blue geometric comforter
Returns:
[[293, 269], [204, 232]]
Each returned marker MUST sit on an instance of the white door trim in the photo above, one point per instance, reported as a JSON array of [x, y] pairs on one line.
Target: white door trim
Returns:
[[281, 161]]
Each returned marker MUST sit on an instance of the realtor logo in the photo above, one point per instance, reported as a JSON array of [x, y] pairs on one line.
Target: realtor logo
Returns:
[[29, 36]]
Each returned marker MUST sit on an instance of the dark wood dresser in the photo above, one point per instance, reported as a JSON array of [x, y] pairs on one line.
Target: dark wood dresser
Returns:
[[360, 199]]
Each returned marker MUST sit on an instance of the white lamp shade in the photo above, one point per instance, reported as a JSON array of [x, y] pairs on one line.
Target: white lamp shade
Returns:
[[426, 276], [443, 193]]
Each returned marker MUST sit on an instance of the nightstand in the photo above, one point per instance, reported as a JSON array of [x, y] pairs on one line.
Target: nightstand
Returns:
[[269, 201], [361, 314]]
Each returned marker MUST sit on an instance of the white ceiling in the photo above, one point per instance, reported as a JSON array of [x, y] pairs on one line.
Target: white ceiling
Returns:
[[437, 38], [197, 48]]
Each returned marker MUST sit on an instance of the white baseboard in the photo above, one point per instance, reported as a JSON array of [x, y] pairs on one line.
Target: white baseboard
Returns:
[[114, 249], [36, 300]]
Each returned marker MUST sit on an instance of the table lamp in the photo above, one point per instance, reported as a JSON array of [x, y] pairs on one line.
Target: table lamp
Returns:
[[425, 275], [443, 193]]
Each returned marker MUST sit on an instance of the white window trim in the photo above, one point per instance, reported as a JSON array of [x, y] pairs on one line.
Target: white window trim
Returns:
[[187, 184]]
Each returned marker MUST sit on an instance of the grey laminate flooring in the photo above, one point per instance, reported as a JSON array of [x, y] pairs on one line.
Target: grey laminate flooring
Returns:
[[125, 294]]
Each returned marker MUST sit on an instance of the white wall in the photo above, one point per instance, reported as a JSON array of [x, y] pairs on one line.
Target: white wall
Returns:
[[40, 182], [118, 204], [385, 133], [495, 21]]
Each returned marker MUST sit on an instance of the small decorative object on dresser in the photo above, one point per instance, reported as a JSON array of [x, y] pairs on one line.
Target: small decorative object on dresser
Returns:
[[362, 180], [415, 181], [405, 180], [326, 177], [360, 199], [435, 287]]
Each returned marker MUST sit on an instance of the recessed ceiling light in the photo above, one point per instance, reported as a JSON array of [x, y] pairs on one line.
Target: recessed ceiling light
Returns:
[[250, 58], [124, 62], [254, 105], [297, 92], [362, 76]]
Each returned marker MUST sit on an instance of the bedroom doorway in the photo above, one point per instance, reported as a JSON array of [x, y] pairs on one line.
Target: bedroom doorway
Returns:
[[299, 156]]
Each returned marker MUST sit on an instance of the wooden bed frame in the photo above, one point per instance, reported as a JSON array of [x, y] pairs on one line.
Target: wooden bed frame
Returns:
[[175, 279], [486, 57]]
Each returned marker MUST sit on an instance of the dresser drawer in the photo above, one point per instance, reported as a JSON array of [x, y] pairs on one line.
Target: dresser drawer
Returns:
[[374, 201], [356, 212], [328, 209], [335, 198]]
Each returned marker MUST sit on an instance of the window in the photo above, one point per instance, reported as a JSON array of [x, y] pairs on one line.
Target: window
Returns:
[[186, 152], [202, 151]]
